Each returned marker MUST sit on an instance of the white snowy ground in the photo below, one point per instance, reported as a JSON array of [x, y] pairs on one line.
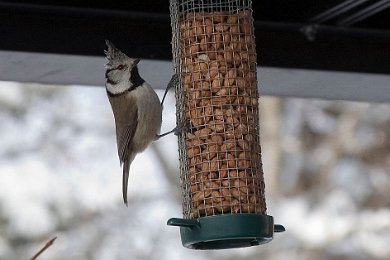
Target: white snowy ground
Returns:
[[60, 176]]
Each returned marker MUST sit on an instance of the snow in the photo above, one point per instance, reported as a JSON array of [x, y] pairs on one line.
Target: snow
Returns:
[[60, 176]]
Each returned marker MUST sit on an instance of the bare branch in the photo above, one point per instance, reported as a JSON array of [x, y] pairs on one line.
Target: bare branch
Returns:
[[48, 244]]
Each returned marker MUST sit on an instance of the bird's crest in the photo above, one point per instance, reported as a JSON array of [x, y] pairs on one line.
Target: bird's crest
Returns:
[[113, 55]]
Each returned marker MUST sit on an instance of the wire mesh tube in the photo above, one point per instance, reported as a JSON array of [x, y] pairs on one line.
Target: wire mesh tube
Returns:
[[217, 106]]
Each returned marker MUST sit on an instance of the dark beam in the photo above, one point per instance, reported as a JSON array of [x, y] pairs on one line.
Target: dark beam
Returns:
[[81, 31]]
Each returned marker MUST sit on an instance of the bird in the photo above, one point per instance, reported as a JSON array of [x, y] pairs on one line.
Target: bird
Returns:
[[136, 107]]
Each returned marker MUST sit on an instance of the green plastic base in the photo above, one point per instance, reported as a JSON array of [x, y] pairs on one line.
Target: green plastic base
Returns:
[[226, 231]]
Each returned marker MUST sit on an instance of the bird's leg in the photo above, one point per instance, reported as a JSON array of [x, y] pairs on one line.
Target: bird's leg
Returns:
[[177, 130], [172, 83], [167, 133]]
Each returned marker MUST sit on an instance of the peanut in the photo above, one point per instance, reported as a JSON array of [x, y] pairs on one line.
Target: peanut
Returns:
[[201, 195], [225, 183], [219, 16], [223, 206], [198, 28], [223, 172], [192, 151], [205, 210], [203, 133], [208, 26], [221, 27]]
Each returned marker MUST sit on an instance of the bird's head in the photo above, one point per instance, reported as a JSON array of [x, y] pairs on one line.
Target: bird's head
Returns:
[[120, 69]]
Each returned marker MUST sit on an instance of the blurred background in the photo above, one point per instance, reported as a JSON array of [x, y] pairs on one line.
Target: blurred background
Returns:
[[327, 175]]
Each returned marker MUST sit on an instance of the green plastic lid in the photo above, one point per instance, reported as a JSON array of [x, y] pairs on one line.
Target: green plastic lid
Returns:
[[226, 231]]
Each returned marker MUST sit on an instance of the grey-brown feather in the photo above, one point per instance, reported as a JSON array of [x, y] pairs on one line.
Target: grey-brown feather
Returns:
[[125, 112]]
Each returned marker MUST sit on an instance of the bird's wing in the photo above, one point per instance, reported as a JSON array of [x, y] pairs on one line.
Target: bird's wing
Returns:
[[124, 140], [126, 133], [126, 121]]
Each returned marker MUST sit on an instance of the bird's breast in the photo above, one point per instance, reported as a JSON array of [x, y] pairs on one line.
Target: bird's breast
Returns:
[[149, 116]]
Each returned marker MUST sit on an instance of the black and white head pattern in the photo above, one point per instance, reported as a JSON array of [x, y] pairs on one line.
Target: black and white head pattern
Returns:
[[121, 71]]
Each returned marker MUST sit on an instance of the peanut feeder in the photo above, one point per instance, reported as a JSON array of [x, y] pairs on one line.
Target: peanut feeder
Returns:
[[217, 108]]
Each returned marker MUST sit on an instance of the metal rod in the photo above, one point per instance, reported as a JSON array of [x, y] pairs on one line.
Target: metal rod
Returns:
[[324, 31], [365, 13], [336, 10]]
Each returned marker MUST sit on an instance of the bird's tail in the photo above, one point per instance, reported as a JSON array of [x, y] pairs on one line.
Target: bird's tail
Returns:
[[125, 180]]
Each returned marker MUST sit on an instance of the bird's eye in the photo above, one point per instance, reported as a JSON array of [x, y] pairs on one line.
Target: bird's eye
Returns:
[[121, 67]]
